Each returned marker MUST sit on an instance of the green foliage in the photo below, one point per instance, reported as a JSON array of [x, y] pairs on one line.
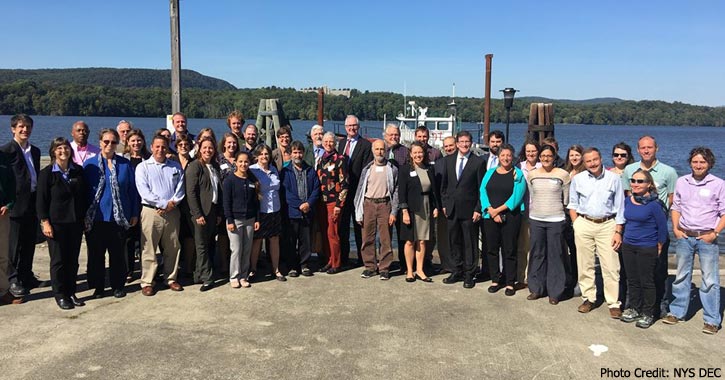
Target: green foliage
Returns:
[[48, 98]]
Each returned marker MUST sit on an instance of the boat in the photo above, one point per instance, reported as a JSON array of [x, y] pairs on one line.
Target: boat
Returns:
[[439, 127]]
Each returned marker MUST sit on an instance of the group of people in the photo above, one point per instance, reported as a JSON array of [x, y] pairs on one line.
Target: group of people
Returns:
[[211, 205]]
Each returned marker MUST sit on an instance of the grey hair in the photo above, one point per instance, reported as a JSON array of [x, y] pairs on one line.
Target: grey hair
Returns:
[[329, 133], [316, 127], [390, 125]]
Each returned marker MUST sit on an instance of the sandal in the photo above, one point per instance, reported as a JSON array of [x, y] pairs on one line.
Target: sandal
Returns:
[[245, 284], [234, 283]]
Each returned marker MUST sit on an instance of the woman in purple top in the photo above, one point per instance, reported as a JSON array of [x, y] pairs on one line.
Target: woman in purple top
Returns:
[[644, 235]]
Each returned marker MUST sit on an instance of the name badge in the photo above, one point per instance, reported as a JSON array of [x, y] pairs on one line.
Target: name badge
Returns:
[[251, 185], [554, 181], [432, 163], [413, 174], [223, 166], [704, 192], [379, 169]]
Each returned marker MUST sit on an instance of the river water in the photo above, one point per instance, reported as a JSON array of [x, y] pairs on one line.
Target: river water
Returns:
[[675, 142]]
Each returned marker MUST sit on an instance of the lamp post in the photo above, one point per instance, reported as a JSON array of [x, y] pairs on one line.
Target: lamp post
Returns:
[[508, 102]]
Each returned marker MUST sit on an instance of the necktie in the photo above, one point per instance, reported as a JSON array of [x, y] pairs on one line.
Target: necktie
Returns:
[[494, 162], [347, 148], [460, 168]]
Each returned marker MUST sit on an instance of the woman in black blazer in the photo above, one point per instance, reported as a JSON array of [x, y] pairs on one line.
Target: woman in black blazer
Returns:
[[61, 204], [204, 195], [418, 205]]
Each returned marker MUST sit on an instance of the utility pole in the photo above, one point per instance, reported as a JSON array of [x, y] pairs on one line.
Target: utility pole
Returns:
[[175, 57]]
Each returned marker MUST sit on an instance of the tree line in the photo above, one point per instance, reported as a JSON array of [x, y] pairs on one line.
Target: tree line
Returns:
[[47, 98]]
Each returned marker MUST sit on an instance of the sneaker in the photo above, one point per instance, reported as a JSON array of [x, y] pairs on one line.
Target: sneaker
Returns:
[[709, 329], [367, 273], [645, 322], [630, 315], [293, 273], [671, 320], [385, 276]]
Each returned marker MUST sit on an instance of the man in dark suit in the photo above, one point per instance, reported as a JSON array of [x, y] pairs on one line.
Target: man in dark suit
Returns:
[[460, 181], [359, 153], [24, 159]]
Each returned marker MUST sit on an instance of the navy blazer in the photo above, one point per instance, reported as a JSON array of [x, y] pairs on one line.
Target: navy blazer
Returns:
[[410, 191], [24, 199], [130, 200], [60, 201], [289, 187]]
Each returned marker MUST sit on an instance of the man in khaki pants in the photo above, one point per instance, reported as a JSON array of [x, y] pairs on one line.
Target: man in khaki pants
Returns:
[[160, 184], [596, 207]]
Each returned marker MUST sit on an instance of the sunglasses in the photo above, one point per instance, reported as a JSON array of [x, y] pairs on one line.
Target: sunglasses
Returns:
[[109, 142], [637, 180], [622, 155]]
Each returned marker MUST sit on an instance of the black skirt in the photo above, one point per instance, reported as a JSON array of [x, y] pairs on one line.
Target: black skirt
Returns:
[[270, 225]]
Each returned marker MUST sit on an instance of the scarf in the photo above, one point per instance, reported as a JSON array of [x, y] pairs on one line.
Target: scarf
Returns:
[[118, 214]]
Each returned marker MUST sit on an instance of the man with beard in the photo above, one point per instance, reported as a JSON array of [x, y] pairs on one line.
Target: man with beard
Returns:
[[250, 139], [422, 135], [495, 140], [314, 150], [82, 150], [302, 191], [376, 207]]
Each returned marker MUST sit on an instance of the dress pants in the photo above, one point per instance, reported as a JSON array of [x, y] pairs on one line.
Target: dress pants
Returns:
[[160, 230], [463, 236], [240, 244], [299, 243], [204, 241], [595, 239], [106, 236], [375, 219], [547, 273], [23, 234], [444, 251], [331, 247], [4, 254], [64, 248], [503, 237], [347, 217], [640, 263]]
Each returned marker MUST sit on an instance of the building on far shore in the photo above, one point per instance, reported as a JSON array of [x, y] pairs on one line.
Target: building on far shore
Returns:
[[329, 91]]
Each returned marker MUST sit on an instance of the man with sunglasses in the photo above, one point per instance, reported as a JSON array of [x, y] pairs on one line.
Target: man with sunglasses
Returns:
[[665, 178]]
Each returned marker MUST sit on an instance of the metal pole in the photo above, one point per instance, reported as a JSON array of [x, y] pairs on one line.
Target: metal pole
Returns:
[[175, 57], [508, 119], [487, 101], [320, 106]]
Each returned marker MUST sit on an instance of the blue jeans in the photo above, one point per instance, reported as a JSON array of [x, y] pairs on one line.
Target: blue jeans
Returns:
[[710, 288]]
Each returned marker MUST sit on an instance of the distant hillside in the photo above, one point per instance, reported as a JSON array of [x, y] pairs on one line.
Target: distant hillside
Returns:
[[110, 77], [539, 99]]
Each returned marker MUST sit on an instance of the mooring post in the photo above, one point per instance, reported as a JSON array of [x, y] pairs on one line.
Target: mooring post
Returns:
[[487, 101], [175, 57], [320, 106]]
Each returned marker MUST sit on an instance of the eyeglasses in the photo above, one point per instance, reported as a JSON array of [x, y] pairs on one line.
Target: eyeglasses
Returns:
[[637, 180], [622, 155], [109, 142], [351, 125]]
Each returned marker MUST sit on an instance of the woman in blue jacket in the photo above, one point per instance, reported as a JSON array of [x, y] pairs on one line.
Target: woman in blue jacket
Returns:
[[114, 207], [502, 195]]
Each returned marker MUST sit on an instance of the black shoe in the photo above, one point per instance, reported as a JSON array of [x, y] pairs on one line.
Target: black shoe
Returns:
[[64, 303], [307, 272], [333, 270], [206, 286], [385, 275], [509, 292], [98, 293], [468, 284], [452, 279], [77, 301], [293, 273], [32, 283], [280, 277], [325, 268], [367, 273], [495, 288], [427, 279], [412, 279], [119, 293], [18, 290]]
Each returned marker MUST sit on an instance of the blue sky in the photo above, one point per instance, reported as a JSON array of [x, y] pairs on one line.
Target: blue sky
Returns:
[[658, 50]]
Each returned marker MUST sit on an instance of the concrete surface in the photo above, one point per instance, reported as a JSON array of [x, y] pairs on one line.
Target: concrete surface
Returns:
[[332, 327]]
